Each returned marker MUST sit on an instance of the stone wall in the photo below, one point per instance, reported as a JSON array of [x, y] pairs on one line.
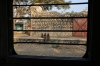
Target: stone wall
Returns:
[[52, 24], [49, 24]]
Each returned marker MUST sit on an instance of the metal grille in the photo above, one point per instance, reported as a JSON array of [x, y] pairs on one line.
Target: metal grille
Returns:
[[58, 27]]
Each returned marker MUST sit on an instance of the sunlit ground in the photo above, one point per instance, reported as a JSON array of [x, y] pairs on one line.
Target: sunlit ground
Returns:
[[50, 50], [54, 50]]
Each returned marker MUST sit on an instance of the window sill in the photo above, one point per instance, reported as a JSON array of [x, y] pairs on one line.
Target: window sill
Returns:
[[23, 59]]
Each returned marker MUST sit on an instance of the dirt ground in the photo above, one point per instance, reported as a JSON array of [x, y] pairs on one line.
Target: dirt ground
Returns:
[[50, 50]]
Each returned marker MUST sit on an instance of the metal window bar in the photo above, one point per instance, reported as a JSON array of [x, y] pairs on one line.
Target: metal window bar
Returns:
[[71, 16], [54, 4], [54, 30], [67, 43], [64, 42]]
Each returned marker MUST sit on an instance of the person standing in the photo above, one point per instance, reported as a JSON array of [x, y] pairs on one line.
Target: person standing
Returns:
[[48, 37], [41, 35], [44, 37]]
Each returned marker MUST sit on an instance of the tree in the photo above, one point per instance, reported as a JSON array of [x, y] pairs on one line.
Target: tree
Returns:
[[19, 11], [48, 7], [22, 10], [70, 13]]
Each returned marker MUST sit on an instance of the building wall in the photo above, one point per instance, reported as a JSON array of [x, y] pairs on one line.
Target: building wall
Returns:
[[52, 24], [49, 24]]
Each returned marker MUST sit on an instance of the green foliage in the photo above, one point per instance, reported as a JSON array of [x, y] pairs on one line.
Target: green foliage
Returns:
[[53, 2], [55, 45], [48, 7], [84, 12]]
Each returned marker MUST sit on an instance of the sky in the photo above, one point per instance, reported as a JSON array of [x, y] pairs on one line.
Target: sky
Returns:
[[75, 8]]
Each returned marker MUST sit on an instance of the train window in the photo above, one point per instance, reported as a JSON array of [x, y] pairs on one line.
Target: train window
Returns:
[[32, 31], [50, 28]]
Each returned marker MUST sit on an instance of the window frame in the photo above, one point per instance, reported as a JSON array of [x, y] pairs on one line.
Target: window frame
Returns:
[[10, 55]]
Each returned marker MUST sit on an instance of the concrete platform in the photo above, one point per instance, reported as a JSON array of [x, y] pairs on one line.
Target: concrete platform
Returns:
[[68, 40]]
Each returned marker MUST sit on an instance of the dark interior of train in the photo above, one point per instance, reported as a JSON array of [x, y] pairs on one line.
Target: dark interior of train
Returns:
[[8, 56]]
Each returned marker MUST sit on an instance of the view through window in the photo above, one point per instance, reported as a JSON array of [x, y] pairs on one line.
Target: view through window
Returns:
[[56, 28]]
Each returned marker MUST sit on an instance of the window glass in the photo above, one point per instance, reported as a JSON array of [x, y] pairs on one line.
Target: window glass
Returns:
[[57, 29]]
